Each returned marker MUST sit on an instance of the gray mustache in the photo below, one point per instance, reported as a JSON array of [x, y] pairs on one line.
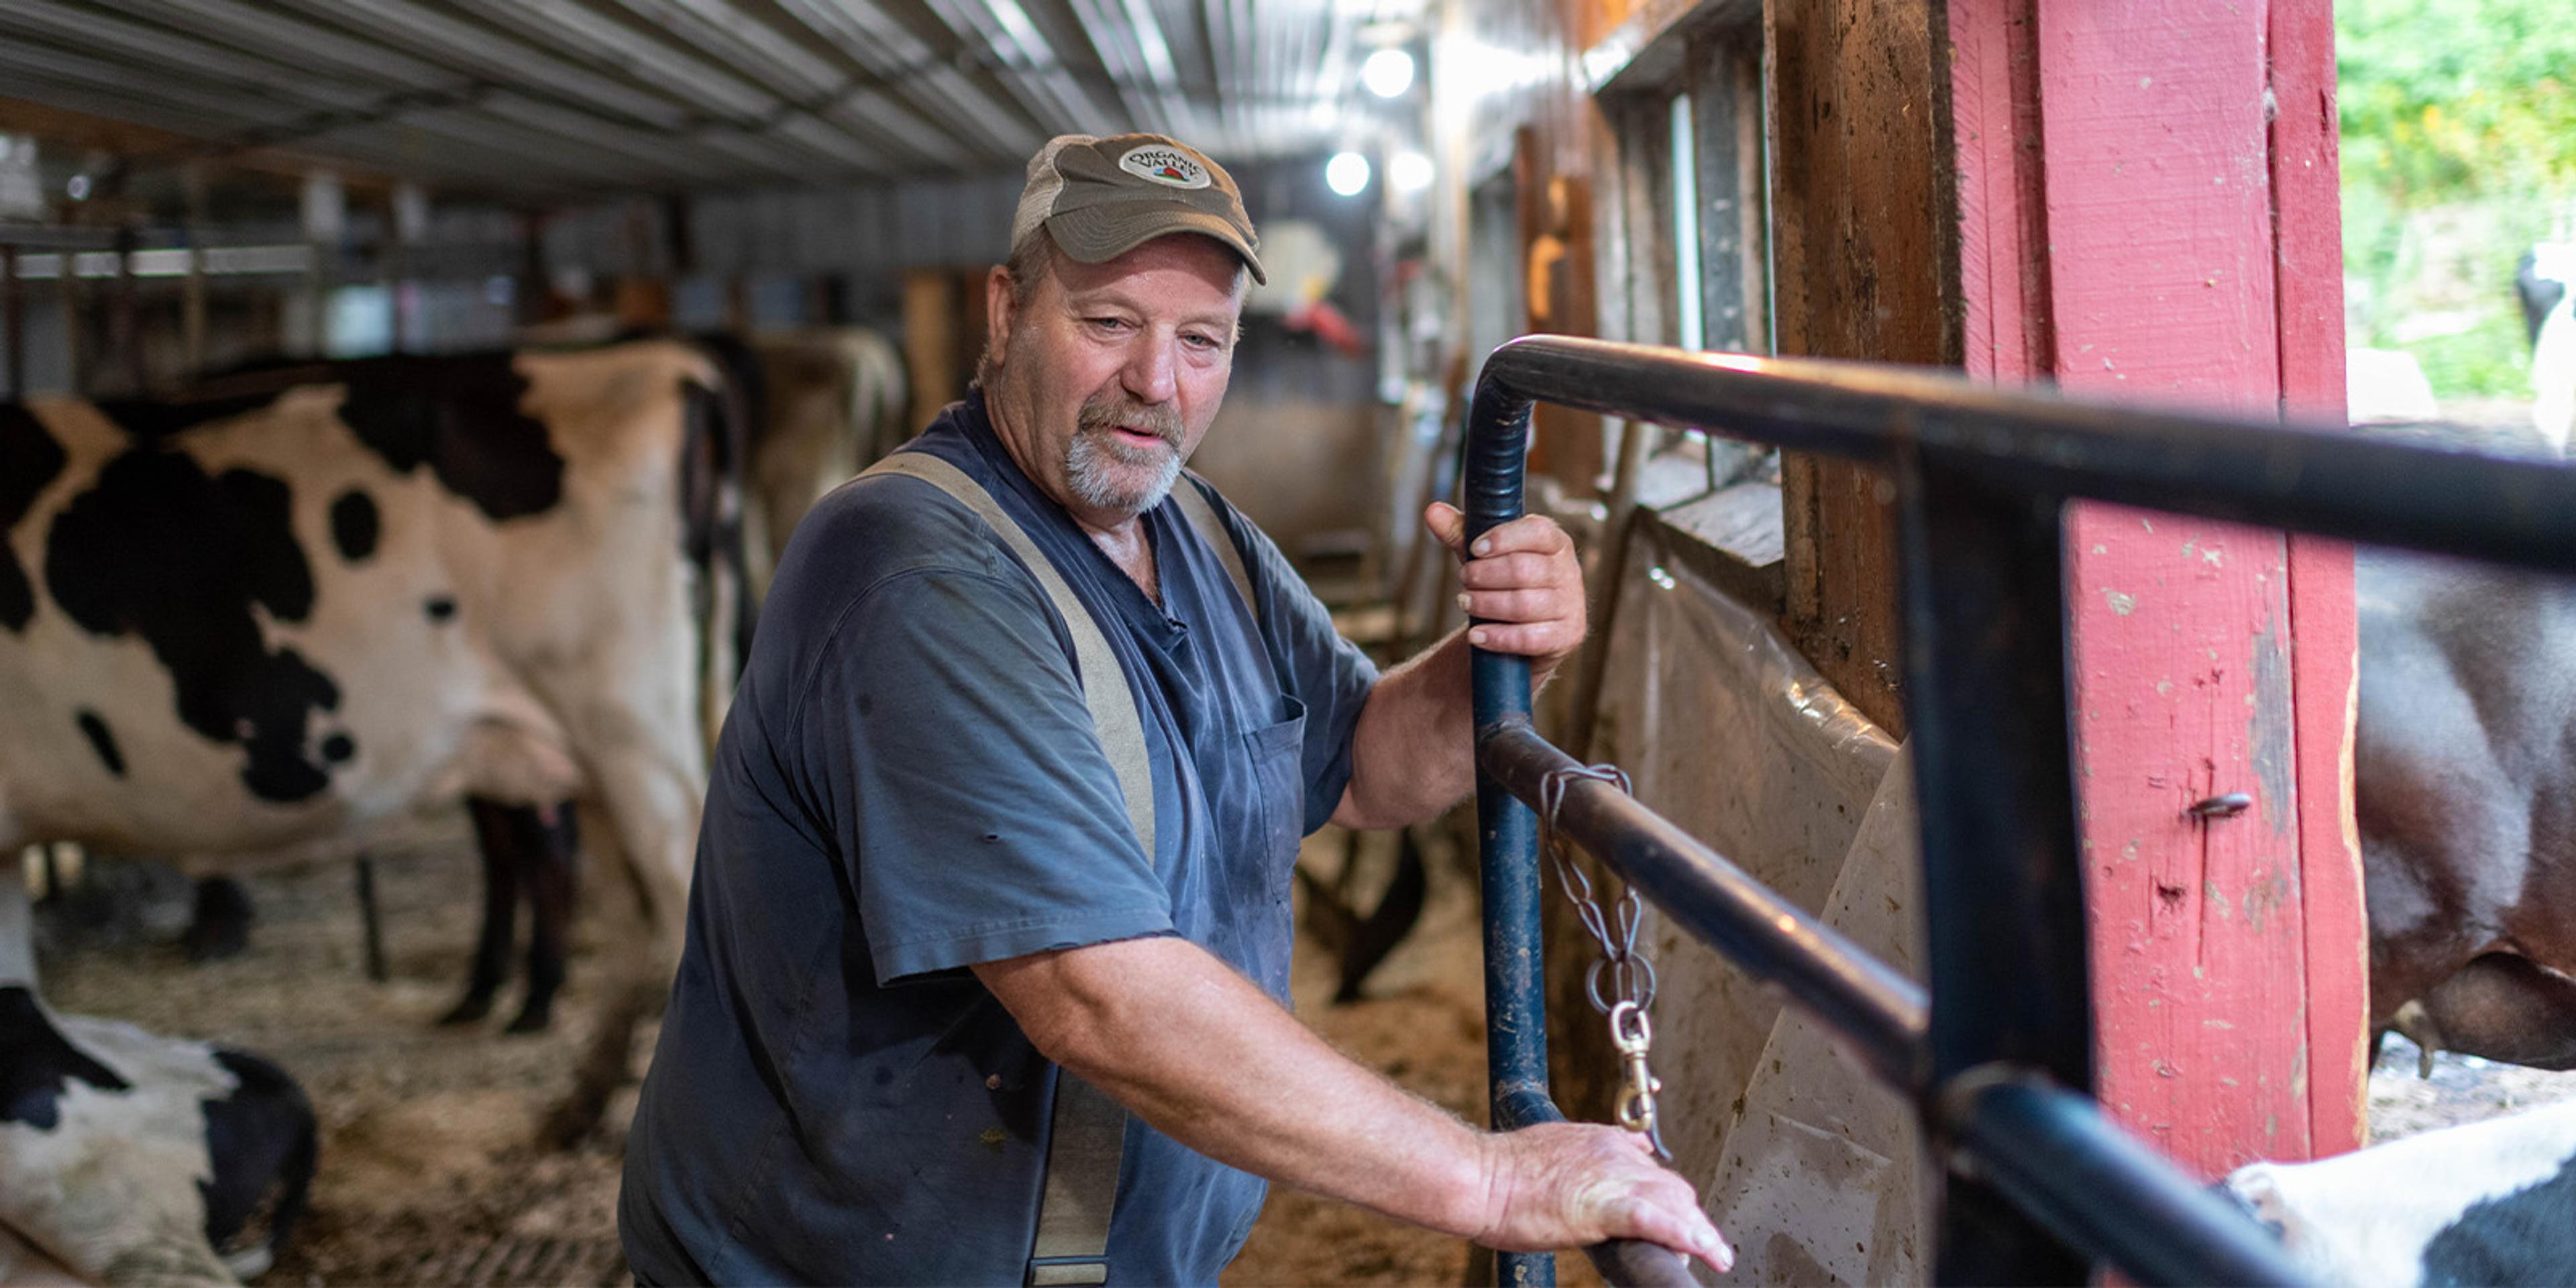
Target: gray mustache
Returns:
[[1163, 422]]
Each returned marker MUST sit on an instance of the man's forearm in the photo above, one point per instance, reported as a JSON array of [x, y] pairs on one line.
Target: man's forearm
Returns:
[[1211, 1061], [1202, 1055], [1413, 752]]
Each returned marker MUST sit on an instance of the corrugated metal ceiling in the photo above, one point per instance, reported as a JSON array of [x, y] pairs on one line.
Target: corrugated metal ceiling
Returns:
[[558, 97]]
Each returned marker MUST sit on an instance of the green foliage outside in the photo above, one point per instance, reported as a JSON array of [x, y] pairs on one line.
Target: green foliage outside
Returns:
[[2459, 151]]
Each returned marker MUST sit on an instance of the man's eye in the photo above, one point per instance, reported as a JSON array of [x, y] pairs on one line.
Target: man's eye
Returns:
[[1202, 343], [1110, 324]]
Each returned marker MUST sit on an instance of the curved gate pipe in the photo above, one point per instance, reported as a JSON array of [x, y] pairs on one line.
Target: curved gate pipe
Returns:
[[1982, 474]]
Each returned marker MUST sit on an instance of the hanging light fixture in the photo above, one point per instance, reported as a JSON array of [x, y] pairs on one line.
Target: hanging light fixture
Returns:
[[1347, 174], [1388, 73]]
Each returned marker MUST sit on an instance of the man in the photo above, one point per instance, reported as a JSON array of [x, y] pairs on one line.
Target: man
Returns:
[[919, 889]]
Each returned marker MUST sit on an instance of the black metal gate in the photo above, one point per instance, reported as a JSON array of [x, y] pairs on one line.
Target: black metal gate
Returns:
[[2041, 1187]]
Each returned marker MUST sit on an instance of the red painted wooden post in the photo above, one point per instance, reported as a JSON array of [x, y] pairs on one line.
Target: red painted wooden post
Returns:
[[2119, 182], [2308, 248]]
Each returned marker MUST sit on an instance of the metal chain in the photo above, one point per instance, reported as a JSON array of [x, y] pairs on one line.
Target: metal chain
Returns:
[[1630, 976]]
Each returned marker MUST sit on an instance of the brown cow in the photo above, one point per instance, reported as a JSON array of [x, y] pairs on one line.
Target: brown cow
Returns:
[[2465, 787]]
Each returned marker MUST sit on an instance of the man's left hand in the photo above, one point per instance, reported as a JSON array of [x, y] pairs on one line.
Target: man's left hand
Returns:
[[1522, 583]]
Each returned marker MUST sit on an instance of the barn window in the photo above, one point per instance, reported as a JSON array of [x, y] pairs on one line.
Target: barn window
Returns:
[[1686, 255]]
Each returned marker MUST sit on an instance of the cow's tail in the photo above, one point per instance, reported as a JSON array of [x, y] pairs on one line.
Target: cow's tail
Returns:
[[712, 463]]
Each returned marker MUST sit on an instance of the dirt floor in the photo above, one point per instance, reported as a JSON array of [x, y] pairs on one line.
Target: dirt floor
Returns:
[[429, 1174], [2462, 1089]]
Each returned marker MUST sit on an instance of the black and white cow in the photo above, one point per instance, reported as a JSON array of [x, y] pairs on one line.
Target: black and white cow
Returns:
[[2490, 1203], [134, 1159], [319, 600]]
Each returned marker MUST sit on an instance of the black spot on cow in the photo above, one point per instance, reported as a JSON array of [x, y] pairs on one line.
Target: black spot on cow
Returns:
[[439, 607], [260, 1141], [460, 416], [338, 748], [101, 741], [355, 525], [151, 420], [158, 549], [2525, 1237], [38, 1064], [29, 459]]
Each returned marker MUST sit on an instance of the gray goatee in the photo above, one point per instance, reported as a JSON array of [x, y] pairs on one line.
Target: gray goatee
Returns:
[[1106, 472]]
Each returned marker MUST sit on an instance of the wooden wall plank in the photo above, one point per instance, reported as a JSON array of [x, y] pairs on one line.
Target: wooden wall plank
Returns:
[[2131, 225], [2308, 260], [2161, 286], [2003, 263], [1863, 268]]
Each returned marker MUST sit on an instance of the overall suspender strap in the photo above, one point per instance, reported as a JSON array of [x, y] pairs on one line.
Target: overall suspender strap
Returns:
[[1080, 1193], [1202, 516], [1104, 685]]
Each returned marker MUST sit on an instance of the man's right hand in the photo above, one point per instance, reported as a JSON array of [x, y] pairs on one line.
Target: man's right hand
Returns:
[[1564, 1185]]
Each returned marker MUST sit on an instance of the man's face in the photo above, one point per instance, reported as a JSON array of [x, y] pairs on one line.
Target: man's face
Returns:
[[1108, 375]]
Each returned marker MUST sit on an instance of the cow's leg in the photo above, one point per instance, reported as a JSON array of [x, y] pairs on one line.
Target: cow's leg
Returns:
[[651, 802], [501, 865], [220, 925], [371, 921], [551, 856], [2509, 1008], [652, 807]]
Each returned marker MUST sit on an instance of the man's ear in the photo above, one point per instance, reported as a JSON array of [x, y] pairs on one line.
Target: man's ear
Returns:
[[999, 316]]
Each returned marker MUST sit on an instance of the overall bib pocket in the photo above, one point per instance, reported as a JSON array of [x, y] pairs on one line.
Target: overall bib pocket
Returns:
[[1277, 753]]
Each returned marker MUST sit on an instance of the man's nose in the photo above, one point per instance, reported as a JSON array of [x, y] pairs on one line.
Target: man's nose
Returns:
[[1150, 374]]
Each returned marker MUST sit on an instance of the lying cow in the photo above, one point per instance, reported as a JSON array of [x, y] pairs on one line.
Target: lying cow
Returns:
[[133, 1159], [2488, 1203], [328, 598], [2465, 792]]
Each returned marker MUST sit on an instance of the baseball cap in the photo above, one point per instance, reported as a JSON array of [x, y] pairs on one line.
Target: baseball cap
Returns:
[[1101, 198]]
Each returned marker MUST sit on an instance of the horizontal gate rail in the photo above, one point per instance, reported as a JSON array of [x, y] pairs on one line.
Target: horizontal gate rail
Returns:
[[1998, 1061], [1769, 938], [2309, 477]]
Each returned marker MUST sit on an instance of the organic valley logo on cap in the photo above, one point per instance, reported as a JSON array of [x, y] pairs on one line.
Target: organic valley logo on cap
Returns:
[[1164, 166]]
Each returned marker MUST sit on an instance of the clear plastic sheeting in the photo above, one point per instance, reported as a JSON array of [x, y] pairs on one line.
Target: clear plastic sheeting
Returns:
[[1729, 732], [1822, 1161]]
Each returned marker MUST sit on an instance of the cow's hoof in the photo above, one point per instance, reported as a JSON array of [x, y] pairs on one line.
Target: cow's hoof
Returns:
[[472, 1009], [219, 926], [535, 1019]]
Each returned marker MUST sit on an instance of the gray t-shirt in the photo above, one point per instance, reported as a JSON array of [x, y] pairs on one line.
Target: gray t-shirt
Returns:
[[909, 784]]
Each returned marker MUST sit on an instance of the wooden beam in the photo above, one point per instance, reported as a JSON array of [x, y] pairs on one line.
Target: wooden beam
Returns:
[[2307, 229], [2144, 263], [13, 323], [1862, 269], [1555, 234], [125, 138], [930, 349]]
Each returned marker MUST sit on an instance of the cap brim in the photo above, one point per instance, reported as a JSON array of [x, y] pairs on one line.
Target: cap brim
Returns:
[[1099, 234]]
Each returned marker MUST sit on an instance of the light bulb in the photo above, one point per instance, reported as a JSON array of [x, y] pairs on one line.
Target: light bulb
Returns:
[[1388, 73], [1347, 174]]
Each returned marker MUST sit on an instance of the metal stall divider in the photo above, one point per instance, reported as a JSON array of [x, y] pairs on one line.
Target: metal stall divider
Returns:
[[2042, 1186]]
